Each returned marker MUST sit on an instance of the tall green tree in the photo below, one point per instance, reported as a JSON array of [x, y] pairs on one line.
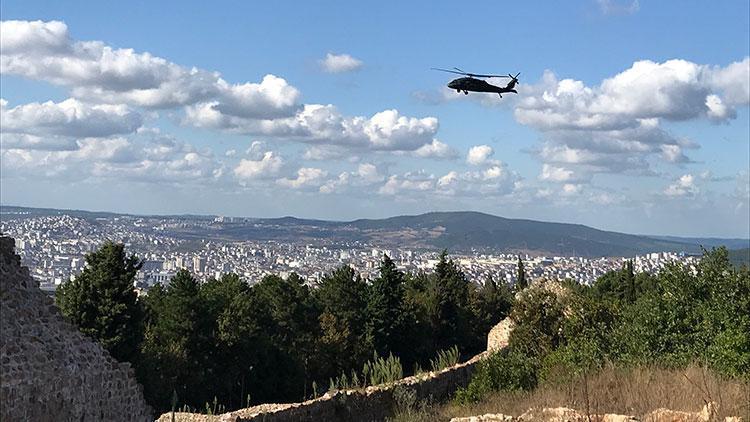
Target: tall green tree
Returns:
[[342, 297], [102, 301], [288, 315], [490, 304], [176, 348], [385, 310], [451, 314], [521, 282]]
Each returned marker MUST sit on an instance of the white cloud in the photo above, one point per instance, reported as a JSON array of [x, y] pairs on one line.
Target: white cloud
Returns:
[[615, 127], [732, 81], [338, 63], [306, 177], [323, 125], [68, 118], [436, 149], [266, 167], [410, 181], [673, 154], [271, 98], [557, 174], [33, 142], [683, 187], [99, 73], [367, 174], [571, 189], [479, 154], [156, 161], [496, 180], [326, 152]]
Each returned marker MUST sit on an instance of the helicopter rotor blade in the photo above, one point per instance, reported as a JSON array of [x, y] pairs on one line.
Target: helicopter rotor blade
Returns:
[[488, 76], [449, 71], [472, 75]]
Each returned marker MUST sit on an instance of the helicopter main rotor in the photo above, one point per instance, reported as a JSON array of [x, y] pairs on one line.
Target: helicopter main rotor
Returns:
[[471, 75]]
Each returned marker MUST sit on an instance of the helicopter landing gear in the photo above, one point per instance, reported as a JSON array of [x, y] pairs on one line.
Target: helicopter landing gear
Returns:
[[501, 95], [458, 90], [466, 92]]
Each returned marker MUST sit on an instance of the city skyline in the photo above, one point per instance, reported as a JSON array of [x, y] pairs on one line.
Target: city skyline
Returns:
[[331, 112], [54, 247]]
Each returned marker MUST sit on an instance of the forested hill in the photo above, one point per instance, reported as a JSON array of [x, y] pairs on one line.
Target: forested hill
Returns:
[[467, 230]]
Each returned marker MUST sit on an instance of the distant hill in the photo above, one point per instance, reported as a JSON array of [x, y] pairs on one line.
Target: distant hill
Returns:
[[456, 231], [708, 242], [474, 230]]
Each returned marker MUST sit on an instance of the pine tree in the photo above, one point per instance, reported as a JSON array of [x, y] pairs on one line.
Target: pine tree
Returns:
[[628, 282], [449, 302], [521, 282], [342, 296], [385, 309], [176, 345], [102, 301]]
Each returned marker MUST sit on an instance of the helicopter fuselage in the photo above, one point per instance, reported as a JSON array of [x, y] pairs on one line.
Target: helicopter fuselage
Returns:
[[467, 84]]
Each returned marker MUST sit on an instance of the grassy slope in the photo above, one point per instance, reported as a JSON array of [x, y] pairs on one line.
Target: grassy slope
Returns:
[[634, 391]]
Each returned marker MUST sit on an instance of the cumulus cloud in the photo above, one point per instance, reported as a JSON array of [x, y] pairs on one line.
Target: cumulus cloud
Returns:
[[682, 187], [68, 118], [153, 161], [436, 149], [615, 127], [266, 167], [32, 142], [367, 174], [99, 73], [339, 63], [324, 125], [307, 177], [479, 154], [105, 82], [494, 180], [411, 181]]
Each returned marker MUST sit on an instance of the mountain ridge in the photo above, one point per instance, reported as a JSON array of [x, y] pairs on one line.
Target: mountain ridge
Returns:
[[453, 230]]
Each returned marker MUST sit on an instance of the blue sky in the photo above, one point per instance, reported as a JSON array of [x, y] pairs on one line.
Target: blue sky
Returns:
[[630, 116]]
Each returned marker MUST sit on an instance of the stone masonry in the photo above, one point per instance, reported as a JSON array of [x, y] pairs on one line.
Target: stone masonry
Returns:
[[49, 371]]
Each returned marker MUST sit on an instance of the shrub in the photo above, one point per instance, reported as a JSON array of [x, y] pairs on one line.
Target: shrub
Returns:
[[445, 359], [505, 370]]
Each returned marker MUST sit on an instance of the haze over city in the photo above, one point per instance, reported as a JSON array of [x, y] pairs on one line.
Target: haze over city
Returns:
[[331, 111]]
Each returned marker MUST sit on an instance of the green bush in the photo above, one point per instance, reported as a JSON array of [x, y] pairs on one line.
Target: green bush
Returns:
[[504, 370]]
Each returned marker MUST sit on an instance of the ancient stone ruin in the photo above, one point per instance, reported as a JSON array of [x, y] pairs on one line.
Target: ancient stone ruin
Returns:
[[50, 371]]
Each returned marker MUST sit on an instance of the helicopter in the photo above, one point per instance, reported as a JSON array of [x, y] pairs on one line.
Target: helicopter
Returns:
[[471, 83]]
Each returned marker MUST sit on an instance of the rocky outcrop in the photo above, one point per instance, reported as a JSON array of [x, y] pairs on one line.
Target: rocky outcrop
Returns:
[[49, 370]]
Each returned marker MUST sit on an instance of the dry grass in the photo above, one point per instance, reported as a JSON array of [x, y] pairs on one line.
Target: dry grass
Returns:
[[634, 391]]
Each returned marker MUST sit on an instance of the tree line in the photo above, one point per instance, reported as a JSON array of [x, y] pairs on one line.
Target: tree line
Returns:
[[225, 341]]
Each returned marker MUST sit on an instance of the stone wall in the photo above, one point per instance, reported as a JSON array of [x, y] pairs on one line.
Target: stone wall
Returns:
[[371, 404], [49, 371]]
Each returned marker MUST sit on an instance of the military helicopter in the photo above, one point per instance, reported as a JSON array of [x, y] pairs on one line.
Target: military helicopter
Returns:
[[471, 83]]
